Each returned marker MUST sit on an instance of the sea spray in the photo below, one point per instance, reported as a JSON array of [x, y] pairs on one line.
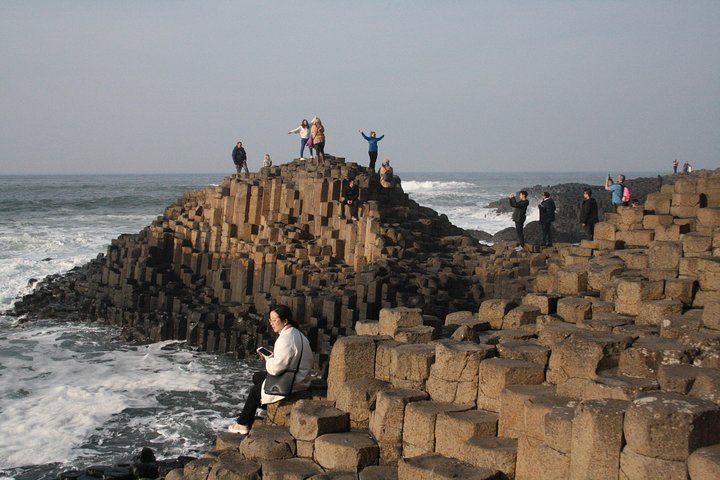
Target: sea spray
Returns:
[[72, 394]]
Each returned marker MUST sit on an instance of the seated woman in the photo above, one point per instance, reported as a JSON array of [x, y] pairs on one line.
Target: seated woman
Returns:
[[291, 351]]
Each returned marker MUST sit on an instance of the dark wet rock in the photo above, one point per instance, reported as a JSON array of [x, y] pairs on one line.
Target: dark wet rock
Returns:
[[480, 235], [97, 470], [72, 475], [118, 473]]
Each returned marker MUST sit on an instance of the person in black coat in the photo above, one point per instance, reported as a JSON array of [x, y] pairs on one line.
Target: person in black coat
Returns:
[[351, 198], [518, 216], [589, 212], [547, 216], [239, 158]]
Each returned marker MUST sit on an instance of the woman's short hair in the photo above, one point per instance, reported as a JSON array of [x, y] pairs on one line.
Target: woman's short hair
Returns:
[[285, 314]]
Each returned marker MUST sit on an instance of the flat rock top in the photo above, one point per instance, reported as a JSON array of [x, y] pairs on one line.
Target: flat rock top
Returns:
[[354, 439], [428, 406], [290, 468], [666, 403], [443, 467]]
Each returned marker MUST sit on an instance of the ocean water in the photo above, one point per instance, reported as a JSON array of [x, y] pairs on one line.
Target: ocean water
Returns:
[[73, 395]]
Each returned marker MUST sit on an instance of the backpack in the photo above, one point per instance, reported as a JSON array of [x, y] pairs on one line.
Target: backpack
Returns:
[[626, 194]]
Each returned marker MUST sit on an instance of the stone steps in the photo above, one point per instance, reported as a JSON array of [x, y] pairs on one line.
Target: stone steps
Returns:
[[433, 466]]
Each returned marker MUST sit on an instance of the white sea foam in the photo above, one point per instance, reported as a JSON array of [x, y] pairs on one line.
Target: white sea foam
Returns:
[[25, 249], [410, 186], [57, 391]]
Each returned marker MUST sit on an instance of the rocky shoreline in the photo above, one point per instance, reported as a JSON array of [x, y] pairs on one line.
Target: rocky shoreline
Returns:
[[444, 359]]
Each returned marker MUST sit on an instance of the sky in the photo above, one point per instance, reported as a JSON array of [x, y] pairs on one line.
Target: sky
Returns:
[[169, 86]]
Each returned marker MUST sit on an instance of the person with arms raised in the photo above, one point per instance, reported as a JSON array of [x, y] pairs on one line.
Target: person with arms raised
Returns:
[[372, 140]]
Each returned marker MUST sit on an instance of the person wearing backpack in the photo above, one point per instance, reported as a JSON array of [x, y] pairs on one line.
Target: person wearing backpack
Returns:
[[617, 190], [547, 216]]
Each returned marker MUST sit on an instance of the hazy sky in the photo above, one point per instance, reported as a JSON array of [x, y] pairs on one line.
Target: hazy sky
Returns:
[[170, 86]]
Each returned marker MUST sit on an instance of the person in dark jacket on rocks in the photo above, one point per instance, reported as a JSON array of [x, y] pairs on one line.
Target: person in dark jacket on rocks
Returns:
[[518, 216], [589, 213], [240, 158], [547, 216], [351, 198]]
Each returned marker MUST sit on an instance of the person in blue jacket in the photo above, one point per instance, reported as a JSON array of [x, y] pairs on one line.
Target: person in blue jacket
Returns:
[[372, 147], [616, 188]]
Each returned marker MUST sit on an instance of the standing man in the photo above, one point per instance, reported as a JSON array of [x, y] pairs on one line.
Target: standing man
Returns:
[[547, 216], [372, 147], [675, 164], [240, 158], [616, 189], [589, 213], [518, 216]]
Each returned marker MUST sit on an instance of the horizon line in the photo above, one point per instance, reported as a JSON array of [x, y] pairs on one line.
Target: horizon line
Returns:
[[447, 172]]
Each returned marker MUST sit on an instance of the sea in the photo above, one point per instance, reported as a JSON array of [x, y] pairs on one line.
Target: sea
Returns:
[[74, 394]]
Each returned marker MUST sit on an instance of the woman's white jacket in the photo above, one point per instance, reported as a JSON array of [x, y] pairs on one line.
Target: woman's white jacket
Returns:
[[303, 131], [285, 353]]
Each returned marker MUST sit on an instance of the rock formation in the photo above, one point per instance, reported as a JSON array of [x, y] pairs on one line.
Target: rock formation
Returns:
[[608, 368], [597, 360], [220, 255]]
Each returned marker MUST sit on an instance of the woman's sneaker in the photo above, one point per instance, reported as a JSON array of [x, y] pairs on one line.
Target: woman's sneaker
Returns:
[[240, 429]]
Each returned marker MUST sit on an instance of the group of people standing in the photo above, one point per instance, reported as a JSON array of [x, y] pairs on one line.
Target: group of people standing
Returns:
[[686, 168], [547, 216], [588, 215], [312, 135]]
